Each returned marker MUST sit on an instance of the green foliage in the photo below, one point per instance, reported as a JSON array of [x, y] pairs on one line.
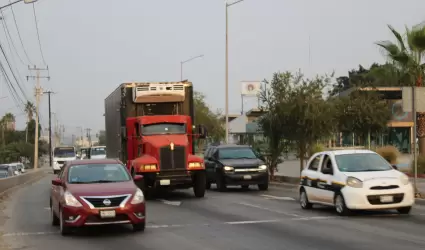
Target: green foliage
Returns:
[[362, 112], [298, 112], [204, 116], [389, 153]]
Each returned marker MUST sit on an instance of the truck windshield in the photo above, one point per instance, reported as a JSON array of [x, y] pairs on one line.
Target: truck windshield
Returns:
[[64, 152], [98, 151], [164, 128]]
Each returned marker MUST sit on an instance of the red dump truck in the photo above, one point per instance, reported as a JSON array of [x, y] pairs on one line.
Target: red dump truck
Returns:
[[149, 126]]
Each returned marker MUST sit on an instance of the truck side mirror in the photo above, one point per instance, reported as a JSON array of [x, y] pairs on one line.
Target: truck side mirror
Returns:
[[201, 131]]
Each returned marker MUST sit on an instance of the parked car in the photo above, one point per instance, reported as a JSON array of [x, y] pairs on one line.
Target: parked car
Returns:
[[96, 192], [5, 171], [354, 180], [235, 165], [19, 166]]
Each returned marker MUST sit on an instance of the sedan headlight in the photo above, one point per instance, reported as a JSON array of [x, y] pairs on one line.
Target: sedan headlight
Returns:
[[404, 179], [138, 197], [70, 200], [354, 182], [262, 168], [228, 169]]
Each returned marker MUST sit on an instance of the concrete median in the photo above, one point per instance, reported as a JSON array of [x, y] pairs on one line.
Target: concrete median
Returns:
[[10, 183]]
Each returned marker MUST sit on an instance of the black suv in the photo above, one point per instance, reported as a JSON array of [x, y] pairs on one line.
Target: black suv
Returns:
[[228, 165]]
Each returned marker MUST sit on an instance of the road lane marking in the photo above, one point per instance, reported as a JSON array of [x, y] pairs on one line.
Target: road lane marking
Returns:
[[250, 222], [278, 197], [230, 223], [172, 203], [267, 209]]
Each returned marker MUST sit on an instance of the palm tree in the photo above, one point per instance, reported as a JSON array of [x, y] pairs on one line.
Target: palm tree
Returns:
[[8, 121], [408, 54], [29, 110]]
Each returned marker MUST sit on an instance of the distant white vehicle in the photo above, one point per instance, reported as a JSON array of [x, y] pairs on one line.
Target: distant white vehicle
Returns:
[[61, 155], [98, 152], [19, 166]]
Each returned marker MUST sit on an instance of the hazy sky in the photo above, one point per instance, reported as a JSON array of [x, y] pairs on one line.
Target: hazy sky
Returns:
[[91, 46]]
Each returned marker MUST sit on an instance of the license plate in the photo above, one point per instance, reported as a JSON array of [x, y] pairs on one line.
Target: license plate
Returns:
[[107, 214], [164, 182], [247, 177], [386, 199]]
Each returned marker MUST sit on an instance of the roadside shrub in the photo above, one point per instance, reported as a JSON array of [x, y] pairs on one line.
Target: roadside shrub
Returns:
[[421, 165], [316, 148], [389, 153]]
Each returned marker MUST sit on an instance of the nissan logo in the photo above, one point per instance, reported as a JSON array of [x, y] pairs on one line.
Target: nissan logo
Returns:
[[106, 202]]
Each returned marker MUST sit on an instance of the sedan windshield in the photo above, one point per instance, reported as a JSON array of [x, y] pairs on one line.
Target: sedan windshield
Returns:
[[97, 173], [236, 153], [361, 163]]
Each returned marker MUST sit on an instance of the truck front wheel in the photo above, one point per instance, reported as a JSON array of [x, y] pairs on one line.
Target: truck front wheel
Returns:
[[199, 184]]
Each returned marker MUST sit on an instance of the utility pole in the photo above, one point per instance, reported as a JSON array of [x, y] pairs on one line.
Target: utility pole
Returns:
[[88, 130], [38, 93], [50, 127]]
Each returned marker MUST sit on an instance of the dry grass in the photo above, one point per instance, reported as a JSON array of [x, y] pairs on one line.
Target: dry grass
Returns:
[[389, 153]]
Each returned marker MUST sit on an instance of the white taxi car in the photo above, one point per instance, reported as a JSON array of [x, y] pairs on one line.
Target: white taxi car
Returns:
[[354, 180]]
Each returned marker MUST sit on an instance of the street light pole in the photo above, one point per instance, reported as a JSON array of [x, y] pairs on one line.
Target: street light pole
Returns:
[[188, 60], [227, 5], [18, 1]]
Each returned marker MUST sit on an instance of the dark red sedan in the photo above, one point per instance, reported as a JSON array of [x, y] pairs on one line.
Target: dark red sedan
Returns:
[[96, 192]]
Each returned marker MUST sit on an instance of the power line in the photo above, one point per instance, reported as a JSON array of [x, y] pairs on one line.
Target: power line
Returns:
[[7, 33], [19, 33], [38, 34], [13, 74]]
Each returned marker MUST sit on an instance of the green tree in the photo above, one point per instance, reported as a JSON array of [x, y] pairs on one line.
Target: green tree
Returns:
[[31, 131], [208, 118], [29, 110], [407, 54], [362, 112], [300, 110]]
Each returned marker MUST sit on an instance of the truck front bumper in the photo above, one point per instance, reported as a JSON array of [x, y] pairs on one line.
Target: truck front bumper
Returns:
[[174, 179]]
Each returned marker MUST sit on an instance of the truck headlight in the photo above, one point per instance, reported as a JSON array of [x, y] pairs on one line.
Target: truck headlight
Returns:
[[138, 197], [354, 182], [228, 169], [262, 168], [70, 200], [404, 179], [195, 165]]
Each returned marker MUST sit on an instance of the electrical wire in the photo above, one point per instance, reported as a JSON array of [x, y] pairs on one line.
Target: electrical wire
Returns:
[[7, 33], [19, 34], [11, 44], [13, 74], [38, 34]]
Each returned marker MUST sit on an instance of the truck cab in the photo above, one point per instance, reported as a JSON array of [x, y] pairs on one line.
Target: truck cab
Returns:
[[156, 138]]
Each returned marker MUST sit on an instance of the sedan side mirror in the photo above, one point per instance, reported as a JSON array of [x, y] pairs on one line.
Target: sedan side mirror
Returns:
[[395, 166], [138, 177], [57, 182]]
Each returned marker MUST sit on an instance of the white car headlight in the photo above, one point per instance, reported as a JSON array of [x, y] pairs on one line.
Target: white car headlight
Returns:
[[262, 167], [138, 197], [227, 168], [404, 179], [354, 182], [70, 200]]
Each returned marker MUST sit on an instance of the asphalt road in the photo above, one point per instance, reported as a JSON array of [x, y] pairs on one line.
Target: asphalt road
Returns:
[[232, 220]]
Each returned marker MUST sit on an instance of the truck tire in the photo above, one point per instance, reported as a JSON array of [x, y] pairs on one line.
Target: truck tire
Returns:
[[199, 184]]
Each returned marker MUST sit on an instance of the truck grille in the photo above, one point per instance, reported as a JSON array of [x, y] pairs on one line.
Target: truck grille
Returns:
[[98, 202], [172, 159]]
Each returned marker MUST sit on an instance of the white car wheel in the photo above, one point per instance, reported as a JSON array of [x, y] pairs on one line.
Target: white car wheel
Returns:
[[305, 204], [340, 206]]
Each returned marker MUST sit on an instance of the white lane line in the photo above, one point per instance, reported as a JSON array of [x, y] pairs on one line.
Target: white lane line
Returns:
[[277, 197], [250, 222], [187, 225], [47, 208], [172, 203], [267, 209]]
